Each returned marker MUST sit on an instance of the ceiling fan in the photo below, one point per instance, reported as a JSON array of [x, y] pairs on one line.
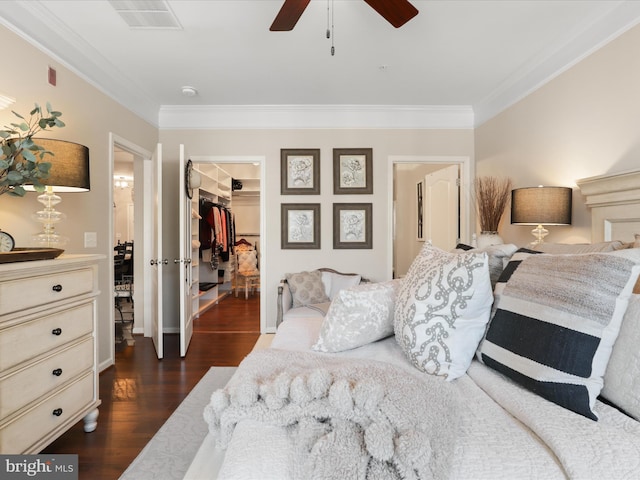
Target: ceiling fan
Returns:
[[396, 12]]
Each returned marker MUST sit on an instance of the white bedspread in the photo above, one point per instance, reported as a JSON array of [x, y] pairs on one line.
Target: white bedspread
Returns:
[[503, 431]]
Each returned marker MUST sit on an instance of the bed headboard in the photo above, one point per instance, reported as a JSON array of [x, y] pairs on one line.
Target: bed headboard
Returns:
[[614, 200]]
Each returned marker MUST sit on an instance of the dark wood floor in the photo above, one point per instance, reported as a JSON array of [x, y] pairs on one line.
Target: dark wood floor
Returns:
[[140, 392]]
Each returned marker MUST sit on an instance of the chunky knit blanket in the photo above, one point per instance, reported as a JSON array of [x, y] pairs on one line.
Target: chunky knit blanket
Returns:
[[359, 419]]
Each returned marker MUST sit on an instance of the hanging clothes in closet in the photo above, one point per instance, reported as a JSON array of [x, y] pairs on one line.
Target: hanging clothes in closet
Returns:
[[217, 229]]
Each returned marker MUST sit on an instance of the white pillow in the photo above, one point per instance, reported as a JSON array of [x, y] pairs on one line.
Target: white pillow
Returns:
[[442, 309], [334, 282], [358, 316]]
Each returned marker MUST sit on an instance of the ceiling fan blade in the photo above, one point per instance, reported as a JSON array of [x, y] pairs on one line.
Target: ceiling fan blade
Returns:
[[288, 15], [396, 12]]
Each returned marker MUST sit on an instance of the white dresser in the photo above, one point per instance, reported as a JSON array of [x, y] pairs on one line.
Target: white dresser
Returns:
[[48, 350]]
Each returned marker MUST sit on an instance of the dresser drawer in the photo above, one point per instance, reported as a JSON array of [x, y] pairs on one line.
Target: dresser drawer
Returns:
[[28, 292], [18, 435], [29, 339], [33, 382]]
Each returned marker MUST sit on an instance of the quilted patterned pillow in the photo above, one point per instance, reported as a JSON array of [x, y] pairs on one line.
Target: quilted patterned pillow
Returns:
[[247, 261], [358, 316], [306, 288], [555, 323], [442, 308]]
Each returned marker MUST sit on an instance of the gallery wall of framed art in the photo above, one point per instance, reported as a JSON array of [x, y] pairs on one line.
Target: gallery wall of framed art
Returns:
[[300, 170], [352, 175]]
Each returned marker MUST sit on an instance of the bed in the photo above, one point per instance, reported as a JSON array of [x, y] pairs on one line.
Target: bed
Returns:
[[462, 402]]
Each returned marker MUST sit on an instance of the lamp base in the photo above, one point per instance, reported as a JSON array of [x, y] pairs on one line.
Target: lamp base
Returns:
[[49, 216], [50, 240], [539, 232]]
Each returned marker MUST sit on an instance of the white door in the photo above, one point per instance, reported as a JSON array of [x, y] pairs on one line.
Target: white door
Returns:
[[184, 262], [441, 212], [156, 261]]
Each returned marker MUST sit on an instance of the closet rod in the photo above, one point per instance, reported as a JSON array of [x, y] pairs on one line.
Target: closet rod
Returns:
[[247, 234]]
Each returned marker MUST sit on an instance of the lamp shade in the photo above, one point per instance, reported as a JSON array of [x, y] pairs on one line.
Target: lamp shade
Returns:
[[541, 206], [69, 166]]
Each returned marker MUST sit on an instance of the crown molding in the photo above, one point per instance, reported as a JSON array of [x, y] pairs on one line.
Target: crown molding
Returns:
[[32, 22], [315, 116]]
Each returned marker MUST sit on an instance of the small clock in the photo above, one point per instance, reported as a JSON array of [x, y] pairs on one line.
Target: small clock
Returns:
[[6, 242]]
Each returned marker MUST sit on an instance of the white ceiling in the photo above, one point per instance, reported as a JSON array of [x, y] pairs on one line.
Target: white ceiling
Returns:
[[463, 56]]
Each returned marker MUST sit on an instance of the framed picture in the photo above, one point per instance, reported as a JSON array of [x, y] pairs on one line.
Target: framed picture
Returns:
[[352, 225], [352, 170], [300, 172], [420, 210], [300, 225]]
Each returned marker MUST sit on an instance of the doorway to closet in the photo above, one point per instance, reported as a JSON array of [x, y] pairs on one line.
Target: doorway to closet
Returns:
[[229, 206]]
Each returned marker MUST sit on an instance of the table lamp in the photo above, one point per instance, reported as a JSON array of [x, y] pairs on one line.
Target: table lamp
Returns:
[[69, 173], [541, 206]]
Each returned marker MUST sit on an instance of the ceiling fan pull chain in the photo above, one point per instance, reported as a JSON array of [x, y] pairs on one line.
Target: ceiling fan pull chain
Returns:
[[333, 48], [328, 22]]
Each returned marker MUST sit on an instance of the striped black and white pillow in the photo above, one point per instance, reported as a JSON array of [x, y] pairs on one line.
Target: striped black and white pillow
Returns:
[[555, 320]]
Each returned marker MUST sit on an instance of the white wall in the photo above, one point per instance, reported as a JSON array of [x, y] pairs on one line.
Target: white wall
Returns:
[[123, 203], [89, 116], [372, 263], [585, 122]]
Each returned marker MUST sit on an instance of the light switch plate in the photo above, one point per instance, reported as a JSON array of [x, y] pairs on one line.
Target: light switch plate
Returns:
[[90, 239]]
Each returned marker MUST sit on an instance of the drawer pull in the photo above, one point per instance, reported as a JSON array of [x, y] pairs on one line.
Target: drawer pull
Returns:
[[57, 372], [56, 331], [57, 288], [57, 412]]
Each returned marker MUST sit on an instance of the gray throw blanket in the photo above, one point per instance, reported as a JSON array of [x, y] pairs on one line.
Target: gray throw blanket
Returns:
[[348, 418]]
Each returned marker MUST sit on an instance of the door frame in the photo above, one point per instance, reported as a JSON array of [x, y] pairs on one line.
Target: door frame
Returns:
[[262, 160], [142, 160], [466, 210]]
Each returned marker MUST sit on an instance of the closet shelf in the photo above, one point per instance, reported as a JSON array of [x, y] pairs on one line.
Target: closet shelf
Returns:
[[216, 188]]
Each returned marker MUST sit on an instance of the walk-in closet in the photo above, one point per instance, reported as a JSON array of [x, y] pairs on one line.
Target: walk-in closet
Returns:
[[225, 233]]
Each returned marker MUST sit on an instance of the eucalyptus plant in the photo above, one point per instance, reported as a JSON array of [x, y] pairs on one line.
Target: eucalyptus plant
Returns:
[[22, 159]]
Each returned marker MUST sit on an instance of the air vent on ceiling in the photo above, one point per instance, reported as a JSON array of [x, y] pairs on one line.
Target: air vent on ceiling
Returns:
[[146, 13]]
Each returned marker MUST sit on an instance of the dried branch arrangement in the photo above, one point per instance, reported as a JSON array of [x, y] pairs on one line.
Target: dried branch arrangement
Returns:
[[492, 197]]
